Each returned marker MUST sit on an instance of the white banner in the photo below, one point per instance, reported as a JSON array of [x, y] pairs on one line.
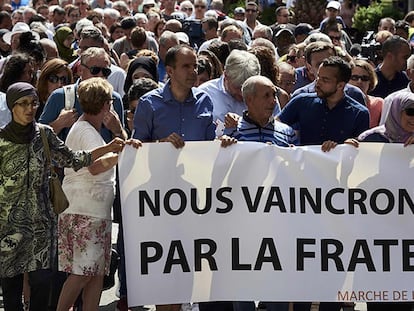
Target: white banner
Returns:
[[260, 222]]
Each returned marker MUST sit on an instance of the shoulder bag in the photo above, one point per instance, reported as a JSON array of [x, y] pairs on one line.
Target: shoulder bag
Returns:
[[57, 196]]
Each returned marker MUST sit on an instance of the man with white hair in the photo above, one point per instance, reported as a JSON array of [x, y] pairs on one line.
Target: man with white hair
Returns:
[[225, 91], [110, 16], [168, 39]]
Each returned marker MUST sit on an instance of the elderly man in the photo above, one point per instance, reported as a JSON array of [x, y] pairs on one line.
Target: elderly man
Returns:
[[94, 62], [168, 39], [226, 90], [257, 122]]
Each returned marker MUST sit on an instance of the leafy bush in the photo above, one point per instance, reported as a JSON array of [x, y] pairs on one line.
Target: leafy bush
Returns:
[[367, 18]]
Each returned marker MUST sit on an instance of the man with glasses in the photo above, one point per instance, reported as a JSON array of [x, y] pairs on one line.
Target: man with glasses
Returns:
[[200, 8], [94, 62]]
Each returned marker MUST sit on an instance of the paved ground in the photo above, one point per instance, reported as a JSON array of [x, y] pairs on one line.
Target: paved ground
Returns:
[[109, 298]]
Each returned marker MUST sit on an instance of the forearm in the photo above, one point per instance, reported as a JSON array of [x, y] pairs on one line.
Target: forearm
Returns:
[[103, 164]]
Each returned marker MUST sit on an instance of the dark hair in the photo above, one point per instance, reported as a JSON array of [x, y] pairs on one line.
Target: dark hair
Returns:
[[268, 65], [13, 69], [204, 65], [211, 22], [138, 37], [401, 24], [220, 49], [141, 87], [237, 44], [344, 68], [393, 45], [30, 45], [171, 56], [217, 66], [280, 8]]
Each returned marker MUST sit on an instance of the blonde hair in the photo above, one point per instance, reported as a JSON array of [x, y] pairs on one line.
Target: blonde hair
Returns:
[[93, 94]]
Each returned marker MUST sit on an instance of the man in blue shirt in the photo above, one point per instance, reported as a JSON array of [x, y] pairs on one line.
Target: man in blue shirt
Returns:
[[176, 112], [95, 62], [257, 123], [329, 114]]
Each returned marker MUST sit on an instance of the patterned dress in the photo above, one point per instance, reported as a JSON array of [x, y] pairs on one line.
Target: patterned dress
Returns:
[[28, 233]]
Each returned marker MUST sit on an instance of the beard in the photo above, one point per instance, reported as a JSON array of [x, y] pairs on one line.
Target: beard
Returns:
[[324, 94]]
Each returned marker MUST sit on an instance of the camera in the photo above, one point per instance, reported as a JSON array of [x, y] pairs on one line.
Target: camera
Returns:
[[370, 48]]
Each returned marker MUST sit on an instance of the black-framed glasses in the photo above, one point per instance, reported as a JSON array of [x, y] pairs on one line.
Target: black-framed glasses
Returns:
[[34, 103], [56, 79], [362, 78], [409, 111], [95, 70]]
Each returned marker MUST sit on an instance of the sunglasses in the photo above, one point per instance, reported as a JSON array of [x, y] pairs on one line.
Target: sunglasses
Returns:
[[200, 6], [291, 58], [95, 70], [187, 9], [56, 79], [409, 111], [362, 78]]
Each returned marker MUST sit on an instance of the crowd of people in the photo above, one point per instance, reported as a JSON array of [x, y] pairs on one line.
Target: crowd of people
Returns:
[[97, 75]]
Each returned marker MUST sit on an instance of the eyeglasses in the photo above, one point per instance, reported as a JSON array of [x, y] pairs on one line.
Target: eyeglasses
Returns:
[[56, 79], [200, 6], [335, 38], [95, 70], [251, 10], [27, 104], [291, 58], [409, 111], [362, 78], [111, 100]]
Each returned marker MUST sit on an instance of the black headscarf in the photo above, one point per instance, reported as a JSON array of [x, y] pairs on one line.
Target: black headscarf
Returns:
[[15, 132], [140, 62]]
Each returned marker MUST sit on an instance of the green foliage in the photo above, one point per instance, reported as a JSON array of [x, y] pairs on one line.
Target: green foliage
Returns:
[[229, 6], [367, 18]]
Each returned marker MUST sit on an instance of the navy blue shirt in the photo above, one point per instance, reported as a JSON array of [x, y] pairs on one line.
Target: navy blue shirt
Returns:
[[159, 114], [318, 123], [386, 87]]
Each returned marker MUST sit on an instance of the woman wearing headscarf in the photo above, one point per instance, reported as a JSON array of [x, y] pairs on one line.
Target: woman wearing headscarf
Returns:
[[64, 38], [27, 221], [399, 124], [140, 67]]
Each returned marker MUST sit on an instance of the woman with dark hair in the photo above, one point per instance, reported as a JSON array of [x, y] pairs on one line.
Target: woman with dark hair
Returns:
[[54, 74], [140, 67], [270, 70], [18, 68], [27, 220], [115, 32]]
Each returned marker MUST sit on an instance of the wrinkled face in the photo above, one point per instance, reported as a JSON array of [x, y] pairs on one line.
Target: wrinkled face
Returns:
[[262, 103], [184, 73], [99, 62], [24, 110], [326, 82], [233, 89]]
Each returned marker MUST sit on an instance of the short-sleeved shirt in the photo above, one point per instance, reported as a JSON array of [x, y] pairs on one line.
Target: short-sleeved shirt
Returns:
[[318, 123], [274, 132], [159, 114], [56, 102]]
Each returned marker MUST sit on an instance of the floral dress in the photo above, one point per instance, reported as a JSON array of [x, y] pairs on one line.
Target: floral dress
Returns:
[[28, 233]]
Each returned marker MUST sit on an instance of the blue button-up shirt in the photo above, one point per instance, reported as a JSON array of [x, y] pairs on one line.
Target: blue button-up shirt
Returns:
[[159, 114]]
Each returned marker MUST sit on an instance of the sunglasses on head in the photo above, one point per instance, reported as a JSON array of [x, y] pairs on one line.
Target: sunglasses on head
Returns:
[[409, 111], [362, 78], [56, 79], [94, 70]]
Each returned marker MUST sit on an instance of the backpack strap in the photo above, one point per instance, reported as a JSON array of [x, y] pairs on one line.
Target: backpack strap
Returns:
[[69, 91]]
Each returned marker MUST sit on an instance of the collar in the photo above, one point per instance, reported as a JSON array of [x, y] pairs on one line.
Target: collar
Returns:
[[250, 120], [168, 96]]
